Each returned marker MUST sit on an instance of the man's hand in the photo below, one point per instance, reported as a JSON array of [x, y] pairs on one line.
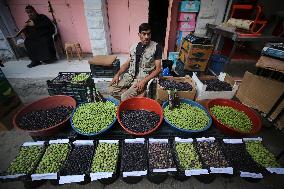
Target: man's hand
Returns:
[[115, 80], [30, 23], [140, 86]]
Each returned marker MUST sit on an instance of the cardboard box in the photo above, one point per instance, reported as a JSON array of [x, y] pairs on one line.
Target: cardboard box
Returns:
[[192, 64], [162, 94], [189, 6], [195, 64], [197, 50], [183, 55], [186, 26], [173, 56], [261, 93], [202, 94], [180, 36], [270, 64], [186, 16]]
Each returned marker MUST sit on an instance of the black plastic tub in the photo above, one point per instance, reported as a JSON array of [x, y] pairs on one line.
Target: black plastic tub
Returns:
[[26, 177], [87, 178], [157, 178], [206, 179], [133, 179], [115, 175], [180, 173]]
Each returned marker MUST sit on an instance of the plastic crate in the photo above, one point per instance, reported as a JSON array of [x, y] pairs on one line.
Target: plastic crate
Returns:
[[81, 92], [105, 71]]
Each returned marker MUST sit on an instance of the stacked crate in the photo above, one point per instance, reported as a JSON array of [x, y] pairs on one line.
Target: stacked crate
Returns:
[[186, 19], [194, 55]]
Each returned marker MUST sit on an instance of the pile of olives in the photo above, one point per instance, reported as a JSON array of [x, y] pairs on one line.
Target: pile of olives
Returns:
[[260, 154], [174, 85], [134, 157], [80, 78], [240, 159], [211, 154], [187, 156], [160, 156], [187, 117], [106, 157], [139, 120], [53, 158], [42, 119], [233, 118], [26, 160], [217, 85], [94, 117], [79, 160]]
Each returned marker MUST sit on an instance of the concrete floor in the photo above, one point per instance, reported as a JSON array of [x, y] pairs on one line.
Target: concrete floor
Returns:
[[30, 84]]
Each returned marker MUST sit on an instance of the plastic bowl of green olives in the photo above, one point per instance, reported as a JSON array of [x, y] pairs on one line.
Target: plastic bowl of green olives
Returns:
[[234, 118], [94, 118], [189, 117]]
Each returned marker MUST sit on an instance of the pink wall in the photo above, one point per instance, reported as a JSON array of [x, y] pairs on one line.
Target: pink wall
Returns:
[[125, 16], [173, 25], [68, 13]]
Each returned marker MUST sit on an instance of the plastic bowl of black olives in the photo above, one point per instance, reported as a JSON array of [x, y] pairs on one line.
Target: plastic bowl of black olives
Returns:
[[46, 116], [140, 115]]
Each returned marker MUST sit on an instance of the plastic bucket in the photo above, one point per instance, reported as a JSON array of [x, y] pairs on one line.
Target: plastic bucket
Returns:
[[217, 63]]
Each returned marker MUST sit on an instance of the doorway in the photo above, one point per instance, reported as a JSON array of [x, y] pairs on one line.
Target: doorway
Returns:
[[158, 14]]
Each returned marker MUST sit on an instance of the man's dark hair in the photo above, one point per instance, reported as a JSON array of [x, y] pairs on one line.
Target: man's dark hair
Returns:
[[144, 27], [30, 7]]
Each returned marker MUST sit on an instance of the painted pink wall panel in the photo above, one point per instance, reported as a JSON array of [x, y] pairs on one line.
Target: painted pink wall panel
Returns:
[[80, 23], [68, 13], [118, 15], [138, 15], [173, 26], [124, 22]]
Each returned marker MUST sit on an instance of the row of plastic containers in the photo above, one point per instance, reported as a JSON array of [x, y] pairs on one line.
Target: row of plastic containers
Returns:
[[82, 161]]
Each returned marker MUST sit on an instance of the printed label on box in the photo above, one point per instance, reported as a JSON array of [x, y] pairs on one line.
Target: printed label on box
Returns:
[[187, 140], [279, 171], [196, 172], [83, 142], [153, 140], [134, 173], [209, 139], [135, 140], [164, 170], [109, 141], [251, 175], [100, 175], [252, 139], [44, 176], [233, 141], [37, 143], [225, 170], [59, 141], [11, 176], [71, 178]]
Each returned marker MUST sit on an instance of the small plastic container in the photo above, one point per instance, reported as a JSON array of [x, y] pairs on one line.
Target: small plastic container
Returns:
[[110, 179], [137, 175], [218, 62], [158, 177]]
